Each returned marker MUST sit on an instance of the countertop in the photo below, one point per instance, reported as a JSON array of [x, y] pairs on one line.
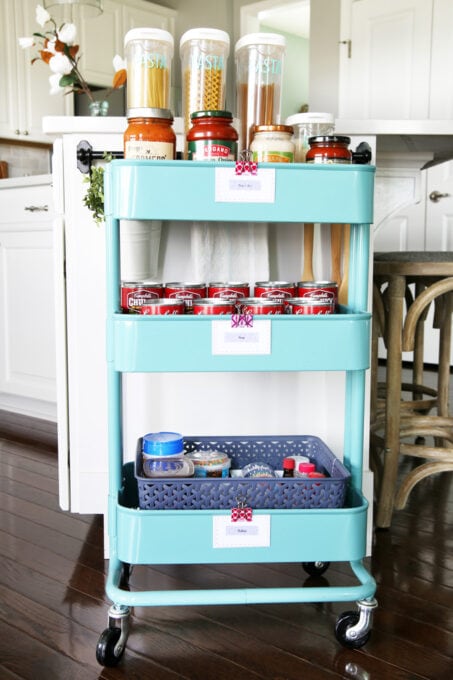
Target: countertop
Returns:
[[30, 180]]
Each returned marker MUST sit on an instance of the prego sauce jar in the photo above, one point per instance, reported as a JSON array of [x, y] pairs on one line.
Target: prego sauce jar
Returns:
[[150, 135], [329, 149], [212, 137]]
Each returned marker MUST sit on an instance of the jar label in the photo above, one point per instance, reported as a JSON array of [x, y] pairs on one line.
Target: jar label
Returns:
[[212, 150], [149, 151], [214, 62], [273, 156]]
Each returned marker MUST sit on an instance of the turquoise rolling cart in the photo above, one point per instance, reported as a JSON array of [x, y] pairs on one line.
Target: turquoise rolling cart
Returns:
[[138, 190]]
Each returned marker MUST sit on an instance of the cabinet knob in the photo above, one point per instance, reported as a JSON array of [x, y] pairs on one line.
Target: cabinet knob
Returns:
[[435, 196], [37, 208]]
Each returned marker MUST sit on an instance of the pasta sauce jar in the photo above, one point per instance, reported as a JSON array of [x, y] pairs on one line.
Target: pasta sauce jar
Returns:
[[212, 137], [149, 135], [329, 149]]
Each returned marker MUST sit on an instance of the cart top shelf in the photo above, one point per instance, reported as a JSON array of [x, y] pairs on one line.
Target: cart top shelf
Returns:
[[187, 190]]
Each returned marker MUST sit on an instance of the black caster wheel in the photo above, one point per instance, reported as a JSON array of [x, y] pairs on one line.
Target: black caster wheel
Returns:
[[346, 621], [105, 649], [315, 568]]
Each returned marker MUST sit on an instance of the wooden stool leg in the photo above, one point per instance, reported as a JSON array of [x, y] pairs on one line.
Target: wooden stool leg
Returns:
[[396, 291], [443, 385]]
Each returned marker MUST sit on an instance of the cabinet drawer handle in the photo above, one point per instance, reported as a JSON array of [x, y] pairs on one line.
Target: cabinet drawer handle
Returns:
[[37, 208]]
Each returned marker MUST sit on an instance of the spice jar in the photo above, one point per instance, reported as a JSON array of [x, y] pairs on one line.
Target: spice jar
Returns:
[[212, 137], [272, 144], [308, 125], [149, 52], [150, 135], [329, 149]]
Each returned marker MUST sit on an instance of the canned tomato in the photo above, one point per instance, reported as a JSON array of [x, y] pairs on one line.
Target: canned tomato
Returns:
[[231, 290], [185, 291], [135, 294], [213, 306], [318, 290], [163, 306], [275, 290], [257, 305], [306, 306]]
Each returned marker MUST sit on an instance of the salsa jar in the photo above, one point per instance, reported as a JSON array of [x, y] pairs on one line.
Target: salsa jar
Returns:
[[272, 144], [329, 149], [212, 137], [149, 135]]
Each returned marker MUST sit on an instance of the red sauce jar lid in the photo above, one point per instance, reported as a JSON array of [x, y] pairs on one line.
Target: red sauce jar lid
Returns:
[[332, 139], [214, 113]]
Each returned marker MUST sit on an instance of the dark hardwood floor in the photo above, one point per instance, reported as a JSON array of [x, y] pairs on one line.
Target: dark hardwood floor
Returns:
[[53, 606]]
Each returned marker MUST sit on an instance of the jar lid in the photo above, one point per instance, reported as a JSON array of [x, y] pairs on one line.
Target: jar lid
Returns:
[[272, 128], [162, 443], [310, 118], [252, 39], [214, 34], [149, 112], [340, 139], [211, 114], [149, 34]]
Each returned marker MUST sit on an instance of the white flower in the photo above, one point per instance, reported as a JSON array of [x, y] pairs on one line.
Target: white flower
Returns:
[[118, 63], [60, 64], [25, 43], [67, 34], [42, 15], [54, 81]]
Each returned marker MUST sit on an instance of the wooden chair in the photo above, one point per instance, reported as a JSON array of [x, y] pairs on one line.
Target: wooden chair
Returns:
[[404, 286]]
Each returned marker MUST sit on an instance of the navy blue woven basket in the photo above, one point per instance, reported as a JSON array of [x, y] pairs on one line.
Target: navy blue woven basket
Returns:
[[225, 493]]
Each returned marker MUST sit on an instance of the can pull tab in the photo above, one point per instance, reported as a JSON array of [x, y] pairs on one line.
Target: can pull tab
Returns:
[[241, 513]]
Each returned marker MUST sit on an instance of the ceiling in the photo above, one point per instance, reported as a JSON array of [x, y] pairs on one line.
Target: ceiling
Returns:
[[291, 17]]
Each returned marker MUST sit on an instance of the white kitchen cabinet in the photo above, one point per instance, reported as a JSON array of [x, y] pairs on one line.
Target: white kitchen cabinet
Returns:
[[394, 57], [25, 96], [114, 22], [27, 311]]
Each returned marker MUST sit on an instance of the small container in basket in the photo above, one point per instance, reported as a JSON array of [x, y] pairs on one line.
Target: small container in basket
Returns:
[[276, 493]]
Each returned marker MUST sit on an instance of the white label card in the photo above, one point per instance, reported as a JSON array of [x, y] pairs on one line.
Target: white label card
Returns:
[[227, 339], [245, 188], [242, 534]]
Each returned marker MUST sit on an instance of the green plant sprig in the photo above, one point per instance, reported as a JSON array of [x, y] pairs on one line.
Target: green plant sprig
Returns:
[[94, 197]]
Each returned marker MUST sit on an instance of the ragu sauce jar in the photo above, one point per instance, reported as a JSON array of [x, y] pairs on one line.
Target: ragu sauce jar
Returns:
[[149, 135]]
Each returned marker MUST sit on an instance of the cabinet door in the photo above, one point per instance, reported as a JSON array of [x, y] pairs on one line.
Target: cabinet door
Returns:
[[386, 74], [100, 39], [441, 93], [27, 336], [137, 13], [25, 95]]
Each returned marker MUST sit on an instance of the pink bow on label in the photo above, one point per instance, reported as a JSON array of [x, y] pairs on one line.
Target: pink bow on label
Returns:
[[241, 514], [242, 321], [246, 166]]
